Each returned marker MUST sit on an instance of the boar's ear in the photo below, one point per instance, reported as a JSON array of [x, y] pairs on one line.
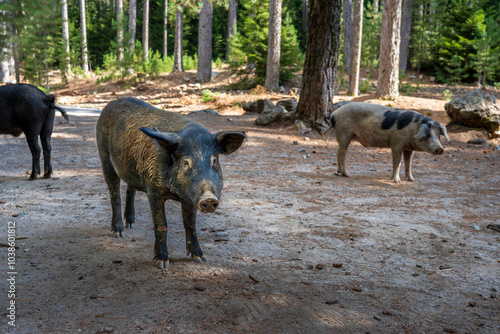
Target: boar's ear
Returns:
[[230, 141], [444, 132], [424, 131], [169, 141]]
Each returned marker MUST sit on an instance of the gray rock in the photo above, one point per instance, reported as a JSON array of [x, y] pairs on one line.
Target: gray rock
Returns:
[[258, 106], [270, 116], [475, 109], [290, 105]]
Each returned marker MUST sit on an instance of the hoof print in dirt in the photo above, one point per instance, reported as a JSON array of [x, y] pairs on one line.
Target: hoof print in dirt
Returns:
[[167, 156]]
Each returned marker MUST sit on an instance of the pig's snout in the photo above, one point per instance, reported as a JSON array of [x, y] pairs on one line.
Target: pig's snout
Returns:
[[208, 203], [439, 151]]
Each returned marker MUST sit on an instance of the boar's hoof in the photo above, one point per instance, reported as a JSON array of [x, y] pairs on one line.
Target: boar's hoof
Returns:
[[160, 264], [342, 174], [129, 225], [198, 259], [117, 234], [208, 205]]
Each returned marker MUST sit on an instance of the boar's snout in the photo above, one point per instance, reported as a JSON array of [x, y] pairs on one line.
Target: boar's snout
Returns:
[[439, 151], [208, 203]]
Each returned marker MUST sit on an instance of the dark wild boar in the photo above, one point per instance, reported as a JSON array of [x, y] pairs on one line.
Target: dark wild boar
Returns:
[[25, 108], [373, 125], [167, 156]]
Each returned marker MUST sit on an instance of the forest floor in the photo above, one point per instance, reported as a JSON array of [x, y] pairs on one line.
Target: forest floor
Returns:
[[292, 248]]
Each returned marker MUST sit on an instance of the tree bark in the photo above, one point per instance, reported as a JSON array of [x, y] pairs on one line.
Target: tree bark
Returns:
[[405, 34], [347, 25], [274, 46], [145, 30], [65, 33], [83, 27], [323, 42], [387, 85], [165, 31], [205, 42], [231, 25], [7, 48], [179, 21], [356, 48], [119, 28], [132, 24]]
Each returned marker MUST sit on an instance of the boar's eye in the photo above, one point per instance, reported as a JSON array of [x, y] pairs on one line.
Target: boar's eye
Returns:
[[187, 163], [213, 160]]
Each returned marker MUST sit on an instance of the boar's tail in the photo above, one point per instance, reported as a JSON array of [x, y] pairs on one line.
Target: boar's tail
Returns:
[[50, 101]]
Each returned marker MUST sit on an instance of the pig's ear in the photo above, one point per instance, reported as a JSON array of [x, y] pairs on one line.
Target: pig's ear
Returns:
[[230, 141], [444, 132], [424, 131], [169, 141]]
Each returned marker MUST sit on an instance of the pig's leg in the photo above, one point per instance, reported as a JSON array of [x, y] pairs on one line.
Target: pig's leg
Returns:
[[396, 164], [192, 244], [157, 206], [341, 153], [32, 139], [129, 207], [45, 135], [113, 182], [408, 155]]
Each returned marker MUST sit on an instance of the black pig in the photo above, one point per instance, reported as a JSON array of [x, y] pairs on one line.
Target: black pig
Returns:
[[168, 157], [25, 108]]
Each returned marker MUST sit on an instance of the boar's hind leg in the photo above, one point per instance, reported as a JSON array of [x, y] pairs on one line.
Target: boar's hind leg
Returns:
[[113, 182], [408, 155], [129, 207], [32, 139], [47, 148], [341, 153], [157, 206], [192, 244]]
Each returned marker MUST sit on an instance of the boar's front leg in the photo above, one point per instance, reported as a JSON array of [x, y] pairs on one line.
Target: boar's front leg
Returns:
[[129, 207], [113, 182], [192, 245], [408, 155], [396, 164], [157, 205]]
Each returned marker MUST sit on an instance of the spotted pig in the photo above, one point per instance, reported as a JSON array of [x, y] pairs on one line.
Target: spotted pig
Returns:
[[373, 125]]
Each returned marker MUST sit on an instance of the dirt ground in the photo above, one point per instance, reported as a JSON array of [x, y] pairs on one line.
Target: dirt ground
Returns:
[[292, 248]]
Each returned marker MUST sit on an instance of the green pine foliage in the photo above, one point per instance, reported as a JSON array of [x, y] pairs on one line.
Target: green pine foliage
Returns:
[[370, 45], [249, 46]]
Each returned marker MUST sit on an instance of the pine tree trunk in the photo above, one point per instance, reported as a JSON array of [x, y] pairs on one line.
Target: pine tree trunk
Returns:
[[205, 42], [274, 46], [7, 49], [132, 24], [356, 48], [119, 28], [323, 42], [145, 30], [405, 34], [179, 21], [387, 85], [65, 33], [347, 25], [231, 25], [375, 6], [165, 31], [83, 23]]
